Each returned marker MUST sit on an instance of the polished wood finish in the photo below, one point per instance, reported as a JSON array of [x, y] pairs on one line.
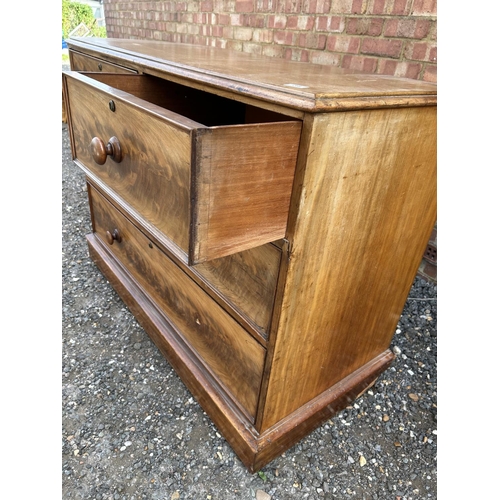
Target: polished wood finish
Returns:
[[100, 151], [299, 319], [377, 192], [289, 83], [232, 355], [82, 62], [213, 191], [247, 280]]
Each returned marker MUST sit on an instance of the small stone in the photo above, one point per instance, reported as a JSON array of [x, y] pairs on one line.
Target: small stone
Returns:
[[412, 396], [175, 495], [362, 461], [396, 350], [262, 495]]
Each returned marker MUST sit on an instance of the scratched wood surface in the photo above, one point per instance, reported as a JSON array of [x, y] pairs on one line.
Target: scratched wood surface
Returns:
[[311, 87]]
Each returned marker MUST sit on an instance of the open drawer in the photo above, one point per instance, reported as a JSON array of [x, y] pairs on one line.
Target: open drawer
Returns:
[[210, 175]]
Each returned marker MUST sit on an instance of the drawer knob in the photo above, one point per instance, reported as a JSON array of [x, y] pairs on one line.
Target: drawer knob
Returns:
[[112, 236], [101, 151]]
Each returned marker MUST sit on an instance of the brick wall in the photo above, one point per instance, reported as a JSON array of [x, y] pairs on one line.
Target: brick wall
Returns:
[[390, 37]]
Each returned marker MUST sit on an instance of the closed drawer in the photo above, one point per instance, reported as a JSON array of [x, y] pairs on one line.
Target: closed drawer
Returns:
[[234, 357], [211, 175], [82, 62]]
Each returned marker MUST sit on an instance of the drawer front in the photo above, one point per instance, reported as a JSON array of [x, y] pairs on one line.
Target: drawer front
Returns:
[[153, 176], [229, 352], [211, 190], [81, 62]]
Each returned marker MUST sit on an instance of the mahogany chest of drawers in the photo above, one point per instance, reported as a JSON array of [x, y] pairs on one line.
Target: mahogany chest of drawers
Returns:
[[263, 220]]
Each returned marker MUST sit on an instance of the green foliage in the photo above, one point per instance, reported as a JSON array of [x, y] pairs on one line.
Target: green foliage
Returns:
[[262, 475], [74, 13]]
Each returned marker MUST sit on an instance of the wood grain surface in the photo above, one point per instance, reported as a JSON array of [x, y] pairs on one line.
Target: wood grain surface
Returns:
[[243, 186], [154, 175], [231, 354], [247, 280], [310, 87], [362, 214], [82, 62], [214, 191]]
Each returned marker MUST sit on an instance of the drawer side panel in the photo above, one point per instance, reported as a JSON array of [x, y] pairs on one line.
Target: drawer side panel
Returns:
[[244, 177]]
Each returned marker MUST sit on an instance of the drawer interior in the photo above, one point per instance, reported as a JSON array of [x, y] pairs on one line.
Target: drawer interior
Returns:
[[208, 109], [212, 175]]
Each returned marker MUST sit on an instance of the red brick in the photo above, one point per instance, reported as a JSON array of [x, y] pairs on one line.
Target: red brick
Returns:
[[316, 6], [433, 55], [322, 57], [388, 67], [401, 7], [420, 51], [224, 19], [407, 28], [263, 36], [236, 19], [243, 6], [381, 47], [311, 40], [412, 70], [422, 29], [252, 48], [253, 20], [358, 7], [272, 51], [400, 68], [364, 26], [341, 7], [217, 31], [378, 7], [283, 37], [300, 22], [365, 64], [430, 73], [265, 5], [206, 6], [424, 8], [428, 271], [344, 44], [278, 22], [330, 23], [291, 6]]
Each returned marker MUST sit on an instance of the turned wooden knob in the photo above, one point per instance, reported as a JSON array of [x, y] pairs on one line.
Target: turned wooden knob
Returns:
[[101, 151], [112, 236]]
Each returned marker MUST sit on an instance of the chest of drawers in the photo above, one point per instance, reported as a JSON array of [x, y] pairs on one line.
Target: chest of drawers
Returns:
[[263, 220]]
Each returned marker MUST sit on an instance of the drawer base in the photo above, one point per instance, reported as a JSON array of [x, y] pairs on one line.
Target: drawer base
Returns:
[[253, 449]]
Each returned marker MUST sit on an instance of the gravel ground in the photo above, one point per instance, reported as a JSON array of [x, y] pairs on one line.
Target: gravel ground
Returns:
[[131, 430]]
